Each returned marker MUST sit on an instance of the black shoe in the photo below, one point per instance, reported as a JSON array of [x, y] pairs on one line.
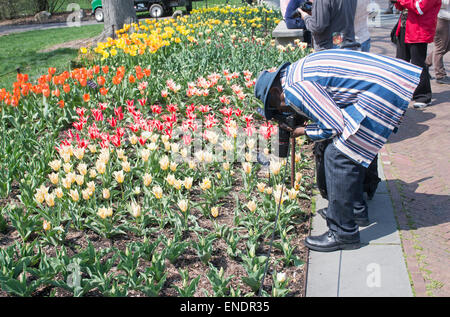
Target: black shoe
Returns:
[[328, 242], [362, 221]]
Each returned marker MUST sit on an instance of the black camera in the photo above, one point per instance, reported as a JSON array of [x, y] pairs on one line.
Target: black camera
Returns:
[[305, 6], [293, 121]]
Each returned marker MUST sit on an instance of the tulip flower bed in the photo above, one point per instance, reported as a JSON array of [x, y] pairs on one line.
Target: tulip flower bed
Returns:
[[138, 174]]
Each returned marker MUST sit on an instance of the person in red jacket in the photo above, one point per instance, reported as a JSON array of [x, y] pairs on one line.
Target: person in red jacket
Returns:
[[416, 28]]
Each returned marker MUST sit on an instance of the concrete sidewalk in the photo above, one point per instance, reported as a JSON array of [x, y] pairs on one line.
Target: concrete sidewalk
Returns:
[[376, 269]]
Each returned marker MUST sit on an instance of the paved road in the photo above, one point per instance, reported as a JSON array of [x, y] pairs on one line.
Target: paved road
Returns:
[[10, 29]]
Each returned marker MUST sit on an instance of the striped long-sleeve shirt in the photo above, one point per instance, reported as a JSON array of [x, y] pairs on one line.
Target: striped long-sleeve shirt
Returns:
[[356, 98]]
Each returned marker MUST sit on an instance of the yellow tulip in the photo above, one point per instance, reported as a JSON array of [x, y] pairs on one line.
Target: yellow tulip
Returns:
[[101, 167], [135, 210], [74, 195], [275, 167], [78, 153], [92, 173], [183, 205], [79, 179], [50, 199], [46, 225], [86, 193], [67, 167], [133, 139], [55, 165], [247, 167], [66, 182], [106, 193], [147, 179], [261, 187], [92, 148], [82, 168], [120, 154], [214, 212], [145, 154], [251, 205], [157, 191], [206, 184], [292, 193], [164, 163], [53, 178], [119, 176], [188, 182], [58, 192], [170, 179]]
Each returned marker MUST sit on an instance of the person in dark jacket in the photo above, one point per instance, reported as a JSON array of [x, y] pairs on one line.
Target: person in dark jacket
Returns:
[[296, 23], [330, 17]]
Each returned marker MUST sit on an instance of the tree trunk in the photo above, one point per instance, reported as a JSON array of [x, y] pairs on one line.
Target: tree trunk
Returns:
[[116, 13]]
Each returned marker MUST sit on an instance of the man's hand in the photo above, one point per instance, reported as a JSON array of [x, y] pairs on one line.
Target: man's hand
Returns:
[[298, 131], [303, 13]]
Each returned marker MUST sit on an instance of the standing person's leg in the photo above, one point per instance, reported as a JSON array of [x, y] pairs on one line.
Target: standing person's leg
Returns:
[[422, 94], [441, 47], [344, 183], [403, 48], [371, 178]]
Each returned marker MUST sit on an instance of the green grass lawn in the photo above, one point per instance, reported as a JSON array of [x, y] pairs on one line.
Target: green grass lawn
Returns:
[[22, 50]]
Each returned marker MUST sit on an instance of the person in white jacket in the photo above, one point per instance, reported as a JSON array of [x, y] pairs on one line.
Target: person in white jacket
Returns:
[[441, 44]]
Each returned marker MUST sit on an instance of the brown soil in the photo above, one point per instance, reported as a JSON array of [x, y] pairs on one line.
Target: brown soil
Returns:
[[75, 44]]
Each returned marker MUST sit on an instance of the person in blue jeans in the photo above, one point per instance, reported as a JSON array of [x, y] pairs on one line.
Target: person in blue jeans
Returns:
[[296, 23]]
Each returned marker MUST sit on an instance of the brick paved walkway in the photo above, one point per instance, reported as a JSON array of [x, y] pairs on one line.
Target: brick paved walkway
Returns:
[[416, 163]]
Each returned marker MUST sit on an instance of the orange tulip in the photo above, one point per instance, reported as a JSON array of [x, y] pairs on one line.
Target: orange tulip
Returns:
[[66, 88], [131, 79], [61, 103], [86, 97], [103, 91], [105, 69], [83, 82], [101, 80], [116, 80], [51, 70]]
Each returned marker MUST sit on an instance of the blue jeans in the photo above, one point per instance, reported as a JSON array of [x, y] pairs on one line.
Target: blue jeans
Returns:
[[344, 179]]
